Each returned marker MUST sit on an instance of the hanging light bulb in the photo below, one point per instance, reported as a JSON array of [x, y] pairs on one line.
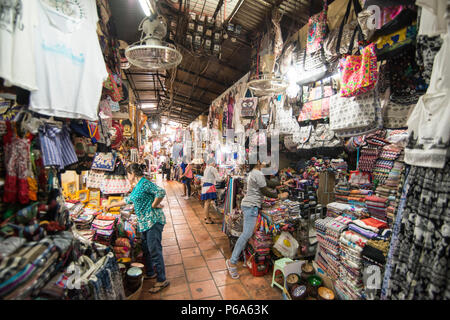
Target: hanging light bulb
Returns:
[[292, 90], [292, 74]]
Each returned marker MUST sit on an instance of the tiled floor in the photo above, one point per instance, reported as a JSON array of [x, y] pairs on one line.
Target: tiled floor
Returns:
[[195, 253]]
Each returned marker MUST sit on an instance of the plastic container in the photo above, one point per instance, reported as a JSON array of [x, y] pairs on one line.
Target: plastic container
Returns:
[[257, 267]]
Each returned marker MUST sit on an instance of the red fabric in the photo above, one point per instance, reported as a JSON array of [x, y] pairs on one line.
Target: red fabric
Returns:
[[375, 223]]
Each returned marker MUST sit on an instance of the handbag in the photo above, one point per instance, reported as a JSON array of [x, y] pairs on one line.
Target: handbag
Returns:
[[388, 45], [95, 179], [104, 161], [406, 81], [248, 106], [312, 67], [343, 40], [360, 72], [395, 116], [317, 105], [353, 112], [317, 30], [113, 184]]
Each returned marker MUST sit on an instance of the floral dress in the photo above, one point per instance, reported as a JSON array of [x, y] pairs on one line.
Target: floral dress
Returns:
[[143, 196]]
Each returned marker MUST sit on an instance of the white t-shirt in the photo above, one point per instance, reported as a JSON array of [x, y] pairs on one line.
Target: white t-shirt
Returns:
[[440, 75], [70, 67], [432, 19], [429, 131], [254, 197], [210, 175], [18, 20]]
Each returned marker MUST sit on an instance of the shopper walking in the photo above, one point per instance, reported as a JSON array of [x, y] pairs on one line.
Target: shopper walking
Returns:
[[183, 166], [256, 190], [146, 197], [188, 175], [209, 193]]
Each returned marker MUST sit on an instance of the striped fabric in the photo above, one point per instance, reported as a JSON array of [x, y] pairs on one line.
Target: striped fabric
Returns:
[[57, 148]]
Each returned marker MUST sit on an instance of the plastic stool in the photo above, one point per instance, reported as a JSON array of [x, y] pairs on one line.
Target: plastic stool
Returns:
[[280, 264]]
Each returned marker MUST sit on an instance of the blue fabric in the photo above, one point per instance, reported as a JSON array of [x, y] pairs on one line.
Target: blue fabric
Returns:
[[152, 249], [207, 196], [143, 196], [57, 148], [250, 217]]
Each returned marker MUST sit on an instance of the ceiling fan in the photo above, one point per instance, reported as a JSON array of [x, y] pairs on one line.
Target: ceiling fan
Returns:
[[151, 52]]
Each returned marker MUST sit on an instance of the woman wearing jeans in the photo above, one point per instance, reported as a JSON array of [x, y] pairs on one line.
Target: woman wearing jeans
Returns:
[[146, 197], [256, 190]]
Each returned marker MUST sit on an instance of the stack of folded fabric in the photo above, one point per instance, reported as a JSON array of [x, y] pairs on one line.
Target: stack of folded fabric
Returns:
[[269, 202], [393, 179], [261, 243], [382, 169], [104, 229], [339, 164], [368, 158], [357, 197], [335, 209], [377, 207], [350, 283], [293, 207], [328, 246], [341, 192], [83, 221], [374, 256], [363, 229]]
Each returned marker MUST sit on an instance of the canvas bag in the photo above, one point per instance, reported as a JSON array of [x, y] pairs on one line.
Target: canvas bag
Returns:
[[353, 112], [317, 30], [359, 72], [95, 179], [344, 39], [248, 106], [104, 161]]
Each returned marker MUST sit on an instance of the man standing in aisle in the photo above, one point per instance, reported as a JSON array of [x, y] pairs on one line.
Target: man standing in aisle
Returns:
[[256, 190]]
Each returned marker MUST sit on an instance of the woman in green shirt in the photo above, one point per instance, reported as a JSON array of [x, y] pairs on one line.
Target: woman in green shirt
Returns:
[[146, 197]]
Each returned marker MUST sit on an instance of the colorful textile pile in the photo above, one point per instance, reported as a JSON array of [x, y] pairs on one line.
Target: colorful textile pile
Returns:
[[104, 229], [293, 207], [377, 207], [350, 283], [368, 158], [328, 232], [261, 243]]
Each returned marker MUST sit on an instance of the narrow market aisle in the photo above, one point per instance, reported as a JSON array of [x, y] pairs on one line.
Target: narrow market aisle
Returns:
[[194, 255]]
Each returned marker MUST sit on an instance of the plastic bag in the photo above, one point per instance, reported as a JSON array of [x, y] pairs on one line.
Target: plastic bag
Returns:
[[287, 245]]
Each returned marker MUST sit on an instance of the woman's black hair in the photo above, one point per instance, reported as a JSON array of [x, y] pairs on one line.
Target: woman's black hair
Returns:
[[137, 169]]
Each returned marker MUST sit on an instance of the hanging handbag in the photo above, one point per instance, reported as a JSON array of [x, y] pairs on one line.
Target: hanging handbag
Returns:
[[317, 30], [104, 161], [312, 67], [248, 106], [302, 136], [114, 184], [391, 44], [359, 73], [95, 179], [316, 103], [406, 81], [353, 112], [344, 39], [324, 137], [395, 116]]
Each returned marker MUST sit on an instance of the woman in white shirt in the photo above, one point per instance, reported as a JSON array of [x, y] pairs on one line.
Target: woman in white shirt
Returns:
[[209, 193]]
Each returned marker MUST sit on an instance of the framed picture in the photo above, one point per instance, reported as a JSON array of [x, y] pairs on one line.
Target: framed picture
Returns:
[[112, 200], [83, 195], [70, 189], [94, 197]]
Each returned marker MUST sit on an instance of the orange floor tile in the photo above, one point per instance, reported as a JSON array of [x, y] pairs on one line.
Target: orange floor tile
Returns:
[[195, 253]]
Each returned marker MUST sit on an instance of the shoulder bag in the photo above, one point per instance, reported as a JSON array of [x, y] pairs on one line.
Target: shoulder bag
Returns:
[[344, 39], [359, 72], [317, 30]]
